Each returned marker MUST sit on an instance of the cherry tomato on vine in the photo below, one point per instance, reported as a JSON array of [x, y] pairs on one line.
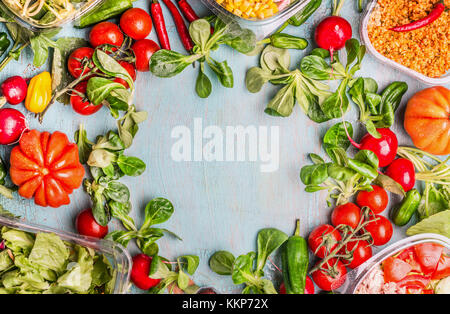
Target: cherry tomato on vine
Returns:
[[78, 59], [323, 239], [143, 50], [105, 33], [130, 69], [87, 226], [377, 200], [136, 23], [331, 275], [347, 214], [80, 104], [140, 270], [309, 286], [380, 230], [362, 251]]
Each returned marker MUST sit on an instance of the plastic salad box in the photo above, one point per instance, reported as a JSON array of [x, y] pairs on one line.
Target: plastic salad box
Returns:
[[80, 7], [261, 27], [371, 6], [356, 276], [117, 255]]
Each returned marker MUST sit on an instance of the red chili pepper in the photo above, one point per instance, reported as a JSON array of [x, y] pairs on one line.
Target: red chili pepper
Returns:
[[160, 24], [181, 27], [430, 18], [187, 11]]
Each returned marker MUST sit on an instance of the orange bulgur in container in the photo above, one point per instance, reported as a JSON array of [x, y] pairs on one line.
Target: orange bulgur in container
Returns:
[[425, 50]]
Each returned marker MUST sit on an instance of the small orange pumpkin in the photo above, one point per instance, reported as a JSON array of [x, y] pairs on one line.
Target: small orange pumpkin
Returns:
[[427, 120]]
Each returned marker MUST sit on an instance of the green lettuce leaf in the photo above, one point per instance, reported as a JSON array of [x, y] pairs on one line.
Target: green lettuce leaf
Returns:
[[50, 252], [79, 277], [17, 241]]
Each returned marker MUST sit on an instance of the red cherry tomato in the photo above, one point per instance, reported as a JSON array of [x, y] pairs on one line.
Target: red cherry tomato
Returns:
[[143, 50], [377, 200], [80, 104], [428, 255], [402, 171], [106, 33], [140, 270], [130, 69], [380, 230], [324, 236], [78, 59], [395, 269], [443, 268], [136, 23], [362, 251], [332, 276], [347, 214], [309, 286], [87, 226]]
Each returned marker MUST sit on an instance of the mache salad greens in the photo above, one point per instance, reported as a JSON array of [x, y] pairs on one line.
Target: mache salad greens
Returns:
[[44, 263]]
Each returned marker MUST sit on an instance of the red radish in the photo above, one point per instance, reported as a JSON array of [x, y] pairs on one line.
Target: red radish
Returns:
[[14, 90], [332, 33], [384, 147], [12, 125], [140, 271], [402, 171]]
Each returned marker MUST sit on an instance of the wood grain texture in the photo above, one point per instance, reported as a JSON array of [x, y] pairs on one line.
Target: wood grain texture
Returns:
[[218, 205]]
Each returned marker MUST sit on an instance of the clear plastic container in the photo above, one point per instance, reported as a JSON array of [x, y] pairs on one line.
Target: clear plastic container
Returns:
[[81, 8], [445, 79], [118, 256], [356, 276], [261, 27]]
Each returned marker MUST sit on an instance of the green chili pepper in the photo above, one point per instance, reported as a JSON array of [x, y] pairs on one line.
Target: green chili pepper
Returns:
[[401, 214], [286, 41], [295, 259], [362, 168], [360, 5], [106, 10], [4, 43], [302, 16], [392, 95]]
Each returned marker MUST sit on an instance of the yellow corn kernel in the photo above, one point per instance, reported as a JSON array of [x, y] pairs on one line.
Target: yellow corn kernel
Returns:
[[250, 8]]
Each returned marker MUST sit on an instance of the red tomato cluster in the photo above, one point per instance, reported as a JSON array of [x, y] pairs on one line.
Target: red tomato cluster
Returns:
[[134, 23], [325, 239], [415, 267]]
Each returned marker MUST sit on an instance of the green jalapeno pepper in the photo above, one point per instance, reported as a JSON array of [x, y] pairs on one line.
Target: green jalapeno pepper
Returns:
[[302, 16], [295, 259], [4, 43], [401, 214], [106, 10], [286, 41]]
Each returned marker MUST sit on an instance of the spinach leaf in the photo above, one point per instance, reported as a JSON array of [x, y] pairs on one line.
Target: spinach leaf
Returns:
[[268, 241], [203, 85], [84, 145], [223, 72], [337, 137], [190, 261], [111, 67], [283, 102], [121, 211], [221, 262], [131, 166], [168, 63], [157, 211], [98, 88], [314, 174], [242, 268]]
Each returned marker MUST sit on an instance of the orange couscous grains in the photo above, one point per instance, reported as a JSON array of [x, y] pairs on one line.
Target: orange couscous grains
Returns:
[[425, 50]]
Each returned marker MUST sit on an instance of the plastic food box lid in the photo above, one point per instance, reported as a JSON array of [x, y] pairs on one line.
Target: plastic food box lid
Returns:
[[356, 276], [83, 8], [118, 256], [261, 27], [445, 79]]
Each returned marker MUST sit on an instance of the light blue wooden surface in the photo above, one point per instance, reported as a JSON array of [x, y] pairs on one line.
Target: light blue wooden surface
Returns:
[[218, 205]]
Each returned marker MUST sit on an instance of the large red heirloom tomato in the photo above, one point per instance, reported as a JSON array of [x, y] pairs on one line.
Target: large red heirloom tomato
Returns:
[[47, 167]]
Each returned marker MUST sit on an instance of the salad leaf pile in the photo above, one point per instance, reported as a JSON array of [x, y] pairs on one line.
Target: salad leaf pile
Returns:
[[44, 263]]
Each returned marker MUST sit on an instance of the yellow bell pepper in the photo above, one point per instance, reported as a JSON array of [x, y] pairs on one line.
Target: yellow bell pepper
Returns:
[[39, 92]]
